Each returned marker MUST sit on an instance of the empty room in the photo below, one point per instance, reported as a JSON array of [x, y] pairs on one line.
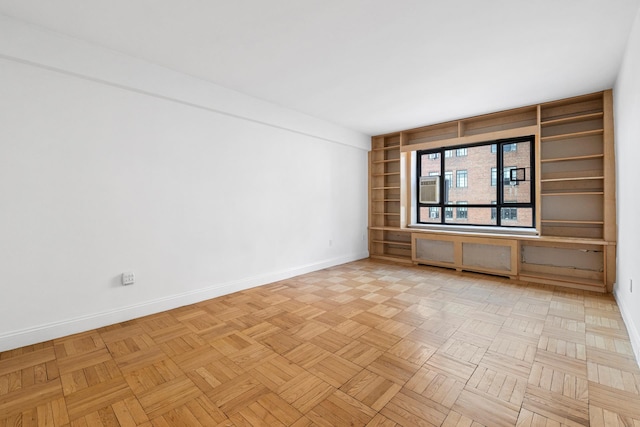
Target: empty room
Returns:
[[319, 213]]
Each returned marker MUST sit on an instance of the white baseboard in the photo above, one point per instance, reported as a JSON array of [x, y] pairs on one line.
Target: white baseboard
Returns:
[[634, 334], [41, 333]]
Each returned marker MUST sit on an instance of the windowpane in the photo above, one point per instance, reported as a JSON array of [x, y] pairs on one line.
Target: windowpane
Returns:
[[430, 215], [474, 216], [430, 165], [518, 156], [448, 153], [471, 174], [461, 152], [448, 213]]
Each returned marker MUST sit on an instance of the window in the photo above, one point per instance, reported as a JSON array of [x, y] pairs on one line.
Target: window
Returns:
[[461, 179], [506, 179], [482, 184], [505, 147], [507, 176], [509, 214], [461, 213], [448, 178]]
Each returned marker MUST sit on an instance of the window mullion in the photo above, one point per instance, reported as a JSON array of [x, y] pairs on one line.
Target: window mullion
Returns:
[[499, 184]]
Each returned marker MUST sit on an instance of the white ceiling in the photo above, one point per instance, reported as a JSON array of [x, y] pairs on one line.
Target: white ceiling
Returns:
[[374, 66]]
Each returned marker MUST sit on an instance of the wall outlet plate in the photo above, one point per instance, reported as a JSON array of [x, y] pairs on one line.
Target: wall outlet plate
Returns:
[[128, 278]]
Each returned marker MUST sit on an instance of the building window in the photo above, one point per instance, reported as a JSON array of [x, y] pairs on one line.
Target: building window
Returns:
[[461, 179], [505, 147], [448, 179], [461, 213], [507, 176], [478, 177], [506, 180], [509, 214]]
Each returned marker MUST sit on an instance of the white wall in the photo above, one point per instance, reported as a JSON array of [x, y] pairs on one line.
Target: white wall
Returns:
[[110, 164], [627, 134]]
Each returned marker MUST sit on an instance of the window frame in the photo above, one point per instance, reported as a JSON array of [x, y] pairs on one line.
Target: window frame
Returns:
[[438, 153]]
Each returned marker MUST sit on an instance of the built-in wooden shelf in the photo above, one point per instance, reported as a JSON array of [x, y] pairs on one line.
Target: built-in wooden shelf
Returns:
[[597, 284], [390, 147], [567, 221], [393, 242], [578, 178], [571, 135], [572, 119], [573, 158], [574, 193]]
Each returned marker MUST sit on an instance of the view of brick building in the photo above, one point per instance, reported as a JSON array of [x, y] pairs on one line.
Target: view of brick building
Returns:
[[471, 178]]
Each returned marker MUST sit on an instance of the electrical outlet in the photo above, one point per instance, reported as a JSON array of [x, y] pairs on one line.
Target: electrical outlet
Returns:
[[128, 278]]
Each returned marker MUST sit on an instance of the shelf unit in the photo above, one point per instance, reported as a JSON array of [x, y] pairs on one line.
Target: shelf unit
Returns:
[[572, 139], [386, 238], [575, 193]]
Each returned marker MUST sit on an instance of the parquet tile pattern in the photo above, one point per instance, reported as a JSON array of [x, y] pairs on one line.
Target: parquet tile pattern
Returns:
[[362, 344]]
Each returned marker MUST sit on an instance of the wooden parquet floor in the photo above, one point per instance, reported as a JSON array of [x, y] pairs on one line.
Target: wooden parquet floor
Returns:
[[362, 344]]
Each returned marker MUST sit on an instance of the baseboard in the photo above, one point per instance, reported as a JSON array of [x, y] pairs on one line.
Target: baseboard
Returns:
[[634, 334], [41, 333]]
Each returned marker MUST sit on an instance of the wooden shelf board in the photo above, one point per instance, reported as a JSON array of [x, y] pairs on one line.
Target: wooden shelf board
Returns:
[[389, 228], [385, 213], [566, 159], [572, 119], [580, 178], [386, 200], [406, 260], [575, 193], [386, 174], [390, 147], [572, 135], [377, 162], [386, 188], [559, 278], [393, 242], [565, 221]]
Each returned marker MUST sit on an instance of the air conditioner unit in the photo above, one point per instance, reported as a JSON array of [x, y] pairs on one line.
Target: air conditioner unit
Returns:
[[429, 189]]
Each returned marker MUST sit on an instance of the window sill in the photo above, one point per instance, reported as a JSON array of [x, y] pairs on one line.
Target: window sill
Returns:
[[477, 229]]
